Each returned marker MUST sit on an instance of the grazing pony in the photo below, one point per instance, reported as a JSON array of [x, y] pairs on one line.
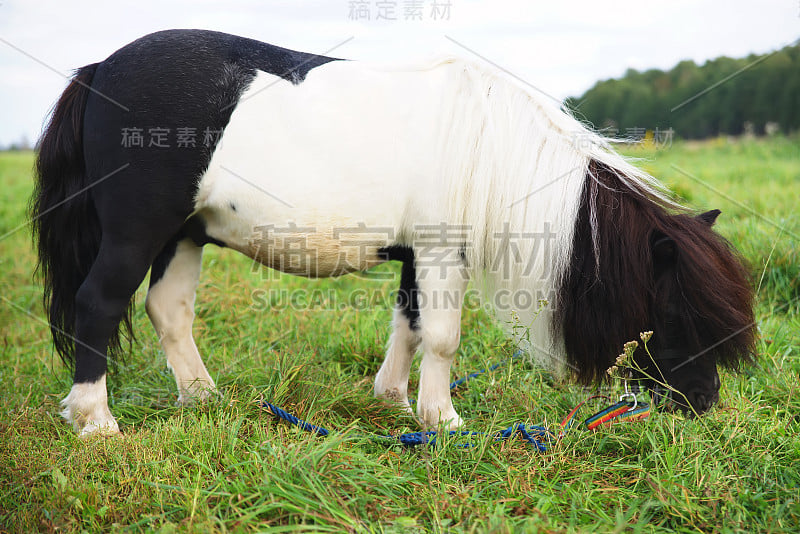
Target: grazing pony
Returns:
[[319, 167]]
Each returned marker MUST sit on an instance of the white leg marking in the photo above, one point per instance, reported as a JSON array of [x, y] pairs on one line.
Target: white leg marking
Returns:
[[170, 306], [86, 407], [391, 382], [441, 294]]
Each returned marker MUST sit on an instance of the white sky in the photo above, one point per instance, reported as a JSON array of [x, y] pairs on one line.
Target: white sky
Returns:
[[562, 48]]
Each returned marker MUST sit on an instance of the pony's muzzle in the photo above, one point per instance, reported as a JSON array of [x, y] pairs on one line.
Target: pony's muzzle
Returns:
[[697, 400]]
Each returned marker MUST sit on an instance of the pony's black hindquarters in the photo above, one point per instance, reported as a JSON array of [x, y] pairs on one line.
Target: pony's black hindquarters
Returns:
[[147, 120]]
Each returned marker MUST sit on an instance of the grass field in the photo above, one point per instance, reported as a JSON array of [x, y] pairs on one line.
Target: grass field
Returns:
[[229, 466]]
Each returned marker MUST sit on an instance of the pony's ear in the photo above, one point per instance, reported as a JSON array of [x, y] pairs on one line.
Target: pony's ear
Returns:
[[709, 217], [663, 251]]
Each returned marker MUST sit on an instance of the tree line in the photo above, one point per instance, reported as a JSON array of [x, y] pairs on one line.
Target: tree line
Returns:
[[725, 96]]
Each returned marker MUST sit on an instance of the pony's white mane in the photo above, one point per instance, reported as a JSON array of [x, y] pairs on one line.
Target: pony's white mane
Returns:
[[514, 166]]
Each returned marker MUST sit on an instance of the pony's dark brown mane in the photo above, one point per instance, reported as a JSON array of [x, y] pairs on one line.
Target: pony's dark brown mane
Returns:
[[611, 292]]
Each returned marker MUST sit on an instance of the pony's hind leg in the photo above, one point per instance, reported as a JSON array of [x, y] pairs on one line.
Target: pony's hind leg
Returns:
[[170, 306], [100, 304]]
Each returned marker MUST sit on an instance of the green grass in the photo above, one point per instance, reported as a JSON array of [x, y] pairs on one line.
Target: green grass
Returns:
[[229, 466]]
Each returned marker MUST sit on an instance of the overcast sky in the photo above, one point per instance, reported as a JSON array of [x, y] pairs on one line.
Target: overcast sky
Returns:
[[563, 48]]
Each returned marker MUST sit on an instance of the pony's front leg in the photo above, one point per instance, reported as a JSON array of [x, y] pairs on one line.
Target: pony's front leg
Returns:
[[441, 293], [391, 382]]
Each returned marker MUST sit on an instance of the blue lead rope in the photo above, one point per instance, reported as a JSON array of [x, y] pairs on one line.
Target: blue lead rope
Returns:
[[463, 380], [286, 416], [537, 436]]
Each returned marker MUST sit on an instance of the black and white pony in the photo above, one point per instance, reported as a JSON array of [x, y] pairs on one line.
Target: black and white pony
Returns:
[[320, 167]]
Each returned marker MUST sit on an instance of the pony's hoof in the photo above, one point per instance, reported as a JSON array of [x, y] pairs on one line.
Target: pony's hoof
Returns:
[[94, 429], [454, 423], [397, 398], [197, 396], [449, 420], [86, 409]]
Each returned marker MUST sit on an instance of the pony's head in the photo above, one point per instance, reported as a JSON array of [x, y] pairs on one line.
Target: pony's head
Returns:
[[702, 308], [634, 268]]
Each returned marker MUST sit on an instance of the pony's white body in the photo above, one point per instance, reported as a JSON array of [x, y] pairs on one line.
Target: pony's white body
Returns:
[[324, 174]]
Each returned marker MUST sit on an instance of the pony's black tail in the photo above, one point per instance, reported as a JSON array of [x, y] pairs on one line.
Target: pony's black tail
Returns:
[[66, 229]]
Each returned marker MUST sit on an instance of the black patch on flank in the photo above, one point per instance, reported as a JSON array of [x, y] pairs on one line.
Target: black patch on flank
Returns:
[[233, 206], [163, 260], [194, 229], [407, 292]]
